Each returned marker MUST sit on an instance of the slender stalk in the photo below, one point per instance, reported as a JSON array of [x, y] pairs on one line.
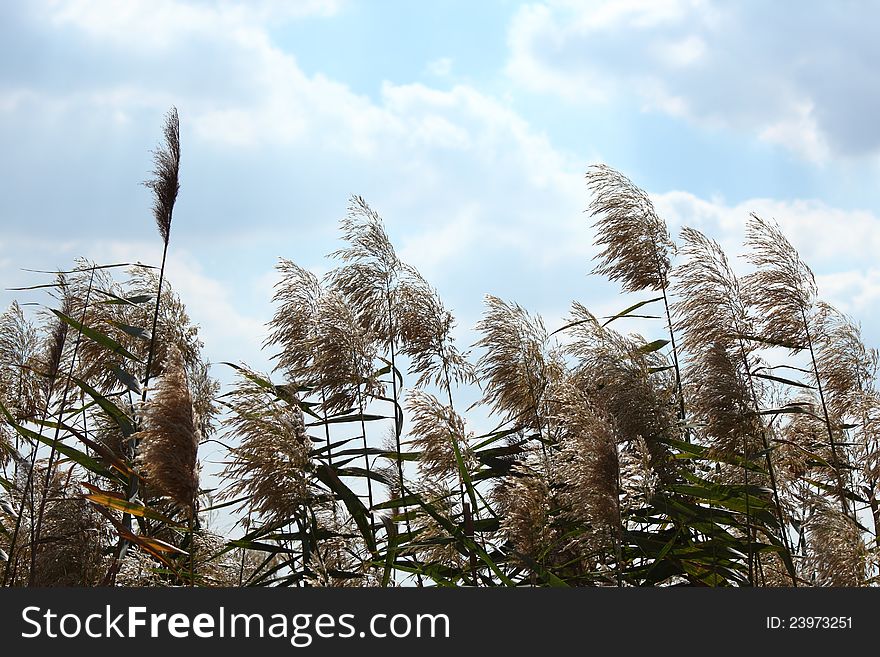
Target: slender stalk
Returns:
[[327, 426], [675, 364], [398, 421], [131, 493], [44, 494], [10, 568], [770, 469], [361, 410], [832, 442], [618, 530], [465, 505]]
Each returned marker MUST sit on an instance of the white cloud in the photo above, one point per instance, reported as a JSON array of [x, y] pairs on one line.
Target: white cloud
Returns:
[[465, 183], [839, 245], [440, 68], [228, 332], [801, 79], [159, 24]]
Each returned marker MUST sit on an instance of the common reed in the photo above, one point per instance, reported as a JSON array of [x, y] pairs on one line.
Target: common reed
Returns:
[[626, 379], [517, 367], [718, 337], [19, 351], [270, 466], [168, 441], [438, 434], [635, 246], [783, 290], [838, 555]]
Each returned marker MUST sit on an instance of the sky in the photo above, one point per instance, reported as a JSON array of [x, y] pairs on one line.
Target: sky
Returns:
[[468, 126]]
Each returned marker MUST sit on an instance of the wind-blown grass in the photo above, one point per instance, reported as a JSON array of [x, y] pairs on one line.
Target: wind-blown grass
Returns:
[[618, 460]]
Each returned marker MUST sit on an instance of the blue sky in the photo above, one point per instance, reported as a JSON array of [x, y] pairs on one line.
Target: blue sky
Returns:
[[467, 125]]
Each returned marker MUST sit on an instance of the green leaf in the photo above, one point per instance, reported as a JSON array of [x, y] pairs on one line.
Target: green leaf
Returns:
[[129, 301], [133, 331], [356, 508], [117, 414], [788, 409], [96, 336], [398, 502], [361, 472], [113, 501], [357, 417], [773, 343], [262, 547], [626, 312], [463, 472], [126, 379], [780, 379], [656, 345]]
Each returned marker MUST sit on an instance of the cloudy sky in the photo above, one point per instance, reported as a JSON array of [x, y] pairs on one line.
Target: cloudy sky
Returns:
[[468, 126]]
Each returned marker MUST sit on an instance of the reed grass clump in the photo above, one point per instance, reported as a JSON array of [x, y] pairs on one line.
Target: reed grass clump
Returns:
[[734, 444]]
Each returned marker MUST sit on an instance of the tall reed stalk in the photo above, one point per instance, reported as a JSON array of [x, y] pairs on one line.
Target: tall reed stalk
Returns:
[[165, 186], [51, 366], [636, 246], [44, 493]]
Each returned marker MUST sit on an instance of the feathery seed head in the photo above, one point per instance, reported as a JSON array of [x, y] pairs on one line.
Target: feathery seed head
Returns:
[[298, 295], [435, 428], [711, 308], [343, 354], [426, 333], [165, 183], [271, 465], [635, 245], [783, 288], [168, 441], [838, 555], [515, 368], [368, 276]]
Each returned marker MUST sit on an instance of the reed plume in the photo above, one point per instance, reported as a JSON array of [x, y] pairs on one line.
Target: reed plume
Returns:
[[783, 290], [271, 466], [635, 246], [165, 183], [618, 374], [589, 471], [838, 556], [342, 357], [718, 333], [168, 441], [515, 368], [298, 296], [19, 350], [369, 276], [715, 326], [526, 503], [638, 479], [426, 335], [436, 432], [846, 364]]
